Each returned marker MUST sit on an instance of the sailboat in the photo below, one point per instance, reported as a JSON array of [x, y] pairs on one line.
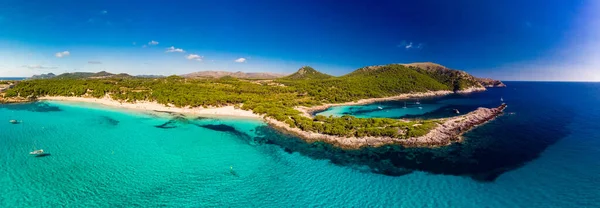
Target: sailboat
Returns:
[[404, 104], [501, 99]]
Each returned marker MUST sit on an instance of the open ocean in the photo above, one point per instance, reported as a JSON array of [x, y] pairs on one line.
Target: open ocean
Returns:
[[544, 152], [12, 78]]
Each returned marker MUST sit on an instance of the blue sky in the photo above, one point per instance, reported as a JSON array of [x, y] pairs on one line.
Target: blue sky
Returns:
[[509, 40]]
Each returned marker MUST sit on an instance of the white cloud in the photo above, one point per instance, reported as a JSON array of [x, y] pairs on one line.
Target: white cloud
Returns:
[[94, 62], [153, 42], [37, 66], [194, 57], [410, 45], [104, 12], [144, 46], [173, 49], [62, 54], [241, 60], [134, 43]]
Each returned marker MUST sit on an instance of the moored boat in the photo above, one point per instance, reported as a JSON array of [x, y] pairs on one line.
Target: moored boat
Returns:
[[37, 152]]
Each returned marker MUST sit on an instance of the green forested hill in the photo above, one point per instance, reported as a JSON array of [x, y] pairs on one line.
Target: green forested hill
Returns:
[[455, 79], [307, 72], [274, 98], [80, 75]]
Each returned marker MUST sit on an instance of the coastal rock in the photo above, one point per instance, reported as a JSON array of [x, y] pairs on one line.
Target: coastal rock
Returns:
[[487, 82]]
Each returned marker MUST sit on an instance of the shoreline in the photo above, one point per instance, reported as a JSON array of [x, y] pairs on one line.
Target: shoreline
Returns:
[[448, 131], [145, 106]]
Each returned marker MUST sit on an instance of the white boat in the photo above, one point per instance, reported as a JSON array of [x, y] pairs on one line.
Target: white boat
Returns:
[[37, 152], [13, 121], [501, 99], [379, 107], [404, 104], [418, 103], [420, 107], [456, 111]]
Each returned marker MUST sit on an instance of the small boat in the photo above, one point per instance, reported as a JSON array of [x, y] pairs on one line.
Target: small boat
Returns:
[[37, 152], [404, 104], [418, 103], [456, 111], [379, 107], [501, 99], [420, 107], [13, 121]]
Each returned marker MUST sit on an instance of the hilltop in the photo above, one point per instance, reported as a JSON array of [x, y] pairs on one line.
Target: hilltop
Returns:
[[239, 75], [456, 79], [307, 72], [81, 75]]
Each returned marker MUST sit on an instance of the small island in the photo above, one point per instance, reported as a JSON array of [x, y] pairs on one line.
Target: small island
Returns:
[[283, 102]]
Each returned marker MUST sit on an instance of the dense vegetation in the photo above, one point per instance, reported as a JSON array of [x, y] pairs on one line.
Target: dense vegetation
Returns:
[[275, 99], [307, 72]]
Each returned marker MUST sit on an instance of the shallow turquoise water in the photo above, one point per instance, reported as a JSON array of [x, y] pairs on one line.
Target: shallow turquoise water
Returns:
[[109, 158]]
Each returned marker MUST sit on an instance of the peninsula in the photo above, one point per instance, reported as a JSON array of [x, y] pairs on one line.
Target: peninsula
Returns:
[[284, 103]]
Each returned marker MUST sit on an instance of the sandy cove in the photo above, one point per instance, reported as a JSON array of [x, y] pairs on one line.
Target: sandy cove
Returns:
[[308, 111], [227, 111]]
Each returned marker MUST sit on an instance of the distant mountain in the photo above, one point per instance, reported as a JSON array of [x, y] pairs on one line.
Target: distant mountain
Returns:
[[81, 75], [149, 76], [122, 76], [239, 75], [43, 76], [487, 82], [307, 72], [456, 79]]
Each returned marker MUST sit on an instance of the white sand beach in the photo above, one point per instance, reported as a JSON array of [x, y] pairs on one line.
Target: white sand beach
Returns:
[[226, 111]]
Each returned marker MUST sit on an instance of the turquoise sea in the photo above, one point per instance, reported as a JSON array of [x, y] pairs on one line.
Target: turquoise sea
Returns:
[[544, 152]]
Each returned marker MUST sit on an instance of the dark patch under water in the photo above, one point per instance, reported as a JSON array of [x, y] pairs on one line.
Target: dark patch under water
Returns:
[[43, 155], [108, 120], [173, 123], [502, 145], [178, 121], [219, 127], [483, 156]]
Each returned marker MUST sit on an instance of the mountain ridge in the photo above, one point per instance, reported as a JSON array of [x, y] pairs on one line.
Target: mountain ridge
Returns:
[[238, 74]]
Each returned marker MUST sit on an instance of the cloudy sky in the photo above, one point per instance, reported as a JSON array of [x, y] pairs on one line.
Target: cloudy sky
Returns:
[[508, 40]]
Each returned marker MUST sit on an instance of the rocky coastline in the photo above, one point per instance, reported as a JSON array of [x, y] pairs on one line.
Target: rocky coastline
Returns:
[[487, 82], [448, 131]]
